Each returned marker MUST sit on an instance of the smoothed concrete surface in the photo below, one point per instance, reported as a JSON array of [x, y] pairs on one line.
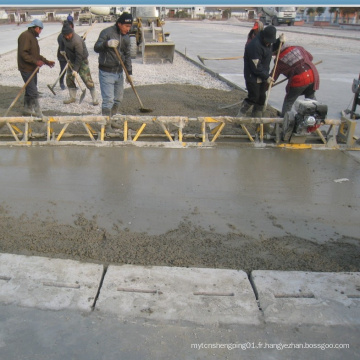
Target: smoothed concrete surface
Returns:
[[299, 297], [172, 294], [51, 284]]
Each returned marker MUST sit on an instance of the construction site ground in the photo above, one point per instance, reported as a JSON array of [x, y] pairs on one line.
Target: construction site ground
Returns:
[[139, 252]]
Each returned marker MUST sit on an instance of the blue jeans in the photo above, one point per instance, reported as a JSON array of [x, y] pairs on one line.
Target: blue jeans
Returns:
[[112, 89]]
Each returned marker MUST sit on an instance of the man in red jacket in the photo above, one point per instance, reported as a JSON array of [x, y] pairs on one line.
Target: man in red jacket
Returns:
[[303, 78], [29, 58]]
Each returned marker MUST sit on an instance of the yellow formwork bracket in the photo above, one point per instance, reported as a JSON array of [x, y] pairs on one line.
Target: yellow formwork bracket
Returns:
[[295, 146], [139, 131]]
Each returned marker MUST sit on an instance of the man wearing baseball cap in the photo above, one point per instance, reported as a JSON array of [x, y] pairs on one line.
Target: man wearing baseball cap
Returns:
[[111, 74], [257, 58], [29, 58]]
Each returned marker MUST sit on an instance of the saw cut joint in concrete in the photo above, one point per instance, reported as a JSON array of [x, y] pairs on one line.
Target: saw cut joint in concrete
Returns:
[[308, 297], [46, 283], [187, 295]]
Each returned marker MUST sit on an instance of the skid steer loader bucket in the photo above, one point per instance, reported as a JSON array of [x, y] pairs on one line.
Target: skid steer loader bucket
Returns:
[[155, 46]]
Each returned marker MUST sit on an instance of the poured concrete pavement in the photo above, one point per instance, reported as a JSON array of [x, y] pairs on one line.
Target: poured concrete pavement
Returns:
[[173, 313], [262, 192]]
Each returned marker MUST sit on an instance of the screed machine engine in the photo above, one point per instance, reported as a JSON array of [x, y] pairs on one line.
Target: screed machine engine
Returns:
[[309, 115], [147, 35]]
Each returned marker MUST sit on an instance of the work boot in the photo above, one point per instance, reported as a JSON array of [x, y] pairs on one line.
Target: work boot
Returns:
[[38, 112], [245, 106], [257, 111], [107, 112], [28, 107], [94, 97], [72, 98], [114, 109]]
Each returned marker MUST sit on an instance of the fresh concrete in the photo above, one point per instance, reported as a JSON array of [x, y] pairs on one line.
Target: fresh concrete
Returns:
[[185, 295], [241, 188]]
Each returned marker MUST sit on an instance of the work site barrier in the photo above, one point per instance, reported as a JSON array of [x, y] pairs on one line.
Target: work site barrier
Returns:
[[170, 131]]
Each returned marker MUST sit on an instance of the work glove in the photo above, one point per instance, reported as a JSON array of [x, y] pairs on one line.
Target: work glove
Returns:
[[282, 38], [127, 79], [74, 73], [63, 53], [270, 80], [39, 63], [113, 43], [51, 64]]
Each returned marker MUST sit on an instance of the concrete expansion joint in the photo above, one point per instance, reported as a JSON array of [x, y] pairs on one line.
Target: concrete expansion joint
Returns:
[[99, 288], [173, 294]]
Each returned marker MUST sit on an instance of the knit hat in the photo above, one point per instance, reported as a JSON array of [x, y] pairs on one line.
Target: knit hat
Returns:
[[269, 34], [67, 29], [125, 18], [36, 23]]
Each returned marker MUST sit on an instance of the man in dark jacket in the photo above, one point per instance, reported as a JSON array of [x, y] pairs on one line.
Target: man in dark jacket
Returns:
[[257, 58], [61, 58], [111, 74], [29, 58], [77, 53], [303, 78]]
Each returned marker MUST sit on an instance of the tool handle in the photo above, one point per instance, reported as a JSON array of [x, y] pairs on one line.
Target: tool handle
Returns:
[[71, 68], [21, 91], [61, 74], [273, 72], [128, 76], [281, 81]]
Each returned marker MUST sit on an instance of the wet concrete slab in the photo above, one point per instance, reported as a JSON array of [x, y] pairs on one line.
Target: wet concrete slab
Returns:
[[48, 284], [295, 297], [257, 192], [179, 295]]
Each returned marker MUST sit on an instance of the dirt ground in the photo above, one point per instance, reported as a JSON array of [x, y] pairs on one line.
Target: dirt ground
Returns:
[[186, 245]]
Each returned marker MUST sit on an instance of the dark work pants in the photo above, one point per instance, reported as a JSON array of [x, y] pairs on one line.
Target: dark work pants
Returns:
[[256, 92], [294, 92], [31, 90]]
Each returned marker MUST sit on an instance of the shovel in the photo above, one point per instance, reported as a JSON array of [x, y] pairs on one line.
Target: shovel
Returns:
[[142, 109], [273, 72], [83, 91], [51, 87], [21, 91], [226, 58]]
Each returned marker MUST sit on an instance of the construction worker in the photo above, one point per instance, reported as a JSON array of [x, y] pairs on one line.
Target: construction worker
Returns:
[[70, 18], [295, 63], [258, 26], [77, 53], [257, 58], [111, 74], [61, 58], [29, 58]]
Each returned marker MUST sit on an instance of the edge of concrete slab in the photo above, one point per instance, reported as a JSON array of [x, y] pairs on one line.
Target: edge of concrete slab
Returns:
[[199, 296]]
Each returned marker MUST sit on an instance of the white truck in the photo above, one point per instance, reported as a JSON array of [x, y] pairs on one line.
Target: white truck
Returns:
[[277, 15], [99, 13], [105, 13]]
